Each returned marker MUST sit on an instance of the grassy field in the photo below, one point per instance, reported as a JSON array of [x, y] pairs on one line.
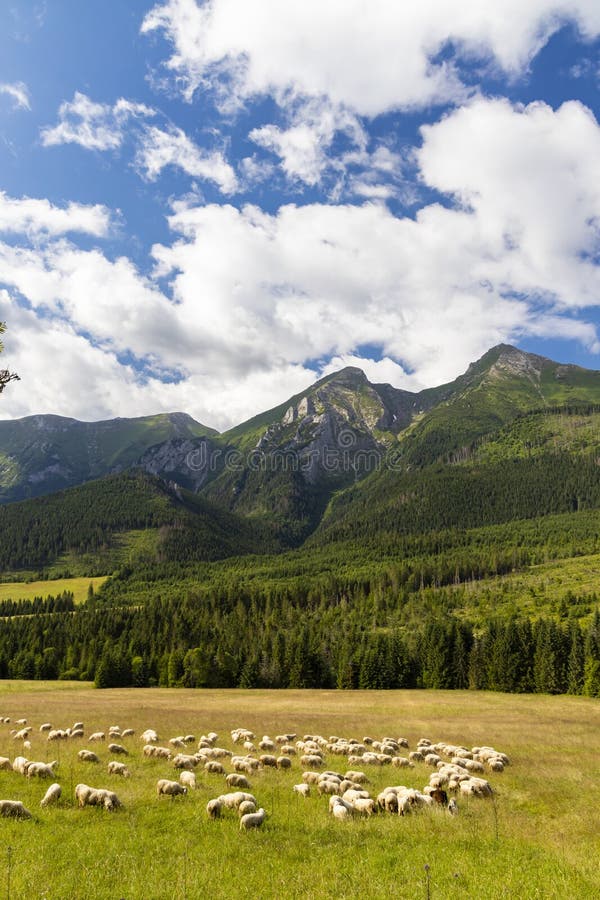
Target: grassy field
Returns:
[[28, 590], [537, 839]]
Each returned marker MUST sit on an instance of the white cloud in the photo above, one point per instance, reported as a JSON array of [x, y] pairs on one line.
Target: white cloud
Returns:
[[94, 126], [255, 295], [19, 93], [370, 58], [34, 217], [159, 149], [304, 146]]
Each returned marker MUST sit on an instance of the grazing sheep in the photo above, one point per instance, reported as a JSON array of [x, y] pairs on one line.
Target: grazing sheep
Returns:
[[118, 768], [170, 788], [40, 769], [233, 800], [214, 768], [77, 726], [328, 786], [302, 789], [268, 760], [188, 779], [97, 736], [83, 793], [185, 761], [88, 756], [5, 764], [365, 806], [52, 795], [359, 777], [252, 820], [46, 726], [149, 736], [237, 780], [284, 762], [246, 806], [129, 732], [453, 807], [213, 808], [159, 752], [14, 809], [57, 734], [22, 734], [107, 799], [118, 749], [21, 722], [20, 764]]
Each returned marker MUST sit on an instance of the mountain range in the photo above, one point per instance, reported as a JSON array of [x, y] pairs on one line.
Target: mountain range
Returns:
[[344, 459]]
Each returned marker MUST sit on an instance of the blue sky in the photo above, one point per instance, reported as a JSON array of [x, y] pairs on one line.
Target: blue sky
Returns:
[[204, 206]]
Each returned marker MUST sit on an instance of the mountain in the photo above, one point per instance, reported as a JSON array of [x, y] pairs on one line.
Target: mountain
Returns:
[[338, 454], [43, 454], [144, 515]]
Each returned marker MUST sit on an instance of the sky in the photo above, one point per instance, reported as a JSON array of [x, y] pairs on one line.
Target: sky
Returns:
[[206, 205]]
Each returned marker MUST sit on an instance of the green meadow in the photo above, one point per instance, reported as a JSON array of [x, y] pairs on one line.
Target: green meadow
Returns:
[[537, 838]]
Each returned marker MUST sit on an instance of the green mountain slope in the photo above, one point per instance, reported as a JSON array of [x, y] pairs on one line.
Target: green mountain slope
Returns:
[[43, 454], [85, 520]]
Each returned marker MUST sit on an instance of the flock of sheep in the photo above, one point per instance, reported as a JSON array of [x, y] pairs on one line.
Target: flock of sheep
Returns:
[[456, 770]]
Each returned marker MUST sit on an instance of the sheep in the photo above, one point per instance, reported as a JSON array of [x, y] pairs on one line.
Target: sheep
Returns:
[[57, 734], [237, 780], [288, 750], [312, 760], [177, 742], [46, 726], [129, 732], [365, 806], [359, 777], [52, 795], [77, 726], [170, 788], [302, 789], [246, 806], [97, 736], [159, 752], [310, 777], [213, 808], [73, 735], [185, 761], [233, 800], [188, 779], [21, 722], [83, 792], [214, 768], [149, 736], [328, 787], [268, 760], [453, 807], [14, 809], [283, 762], [20, 764], [107, 799], [400, 762], [118, 750], [252, 820], [352, 795], [22, 734], [5, 764], [416, 756], [88, 756], [118, 768], [40, 769]]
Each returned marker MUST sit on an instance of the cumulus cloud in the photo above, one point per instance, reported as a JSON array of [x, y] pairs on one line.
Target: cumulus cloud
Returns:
[[94, 126], [251, 296], [370, 58], [31, 216], [18, 92], [304, 145], [159, 148]]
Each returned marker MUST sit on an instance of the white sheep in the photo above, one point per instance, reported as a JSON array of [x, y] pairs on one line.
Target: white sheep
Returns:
[[284, 762], [365, 806], [97, 736], [52, 795], [20, 764], [118, 768], [234, 779], [246, 806], [188, 779], [170, 788], [5, 764], [302, 789], [149, 736], [88, 756], [46, 726], [252, 820], [40, 769]]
